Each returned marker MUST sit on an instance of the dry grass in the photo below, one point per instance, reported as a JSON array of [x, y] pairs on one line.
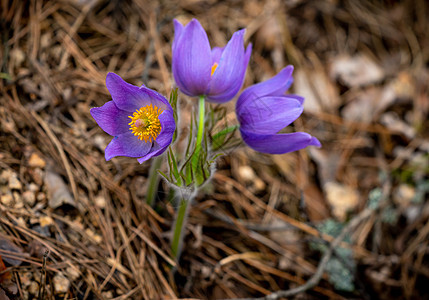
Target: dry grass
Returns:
[[249, 230]]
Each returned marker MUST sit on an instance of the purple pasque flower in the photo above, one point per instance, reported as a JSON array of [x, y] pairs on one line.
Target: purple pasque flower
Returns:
[[216, 73], [264, 109], [140, 119]]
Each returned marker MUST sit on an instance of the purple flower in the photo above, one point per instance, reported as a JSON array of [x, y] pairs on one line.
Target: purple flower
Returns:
[[140, 119], [264, 109], [216, 73]]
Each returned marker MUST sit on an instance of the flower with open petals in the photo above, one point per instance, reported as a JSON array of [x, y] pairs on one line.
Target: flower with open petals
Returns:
[[216, 73], [264, 109], [140, 119]]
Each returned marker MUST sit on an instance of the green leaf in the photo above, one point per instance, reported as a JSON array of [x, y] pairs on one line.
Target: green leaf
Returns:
[[173, 103], [219, 138]]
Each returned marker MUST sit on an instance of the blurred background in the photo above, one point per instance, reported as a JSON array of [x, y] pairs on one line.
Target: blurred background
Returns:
[[75, 226]]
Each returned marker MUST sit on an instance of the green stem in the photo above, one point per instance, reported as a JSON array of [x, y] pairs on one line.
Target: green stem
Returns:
[[201, 112], [195, 160], [153, 180], [185, 201], [182, 215]]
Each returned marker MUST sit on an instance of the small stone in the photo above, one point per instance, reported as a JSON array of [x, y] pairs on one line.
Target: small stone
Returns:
[[7, 199], [73, 273], [37, 174], [342, 199], [45, 221], [61, 283], [40, 197], [4, 176], [29, 197], [259, 184], [404, 195], [20, 222], [33, 220], [100, 201], [246, 173], [78, 223], [36, 161], [14, 183], [33, 187], [18, 200], [33, 288], [107, 295], [25, 278], [18, 56], [100, 142], [58, 191]]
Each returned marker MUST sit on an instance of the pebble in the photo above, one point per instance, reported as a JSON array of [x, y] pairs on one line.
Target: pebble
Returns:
[[246, 173], [73, 273], [20, 222], [61, 283], [33, 187], [58, 192], [33, 288], [107, 295], [259, 184], [7, 199], [100, 201], [29, 197], [249, 176], [14, 183], [18, 200], [404, 194], [342, 199], [36, 161], [46, 221], [41, 197], [4, 176], [37, 174]]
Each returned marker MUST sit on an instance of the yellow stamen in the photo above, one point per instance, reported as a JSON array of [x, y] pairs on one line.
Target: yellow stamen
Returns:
[[145, 123], [214, 67]]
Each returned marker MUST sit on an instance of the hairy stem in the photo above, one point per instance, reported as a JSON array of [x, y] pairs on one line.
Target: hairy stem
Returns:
[[179, 225], [153, 180], [186, 197]]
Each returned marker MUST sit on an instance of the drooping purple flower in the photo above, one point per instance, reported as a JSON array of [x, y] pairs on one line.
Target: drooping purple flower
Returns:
[[264, 109], [216, 73], [140, 119]]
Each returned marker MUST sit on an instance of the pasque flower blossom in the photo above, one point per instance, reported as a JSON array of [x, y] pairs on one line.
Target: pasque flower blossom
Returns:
[[140, 119], [264, 109], [216, 73]]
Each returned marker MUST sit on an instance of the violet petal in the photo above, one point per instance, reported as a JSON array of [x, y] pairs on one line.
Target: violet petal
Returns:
[[279, 143], [229, 75], [276, 86], [129, 97], [127, 144], [191, 59], [268, 115], [111, 119]]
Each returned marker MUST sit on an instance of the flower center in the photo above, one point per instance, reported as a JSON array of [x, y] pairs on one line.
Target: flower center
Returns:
[[145, 123], [214, 67]]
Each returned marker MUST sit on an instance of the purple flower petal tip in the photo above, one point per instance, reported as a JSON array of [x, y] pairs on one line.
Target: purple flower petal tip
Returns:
[[264, 109], [198, 70], [315, 142], [139, 119]]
